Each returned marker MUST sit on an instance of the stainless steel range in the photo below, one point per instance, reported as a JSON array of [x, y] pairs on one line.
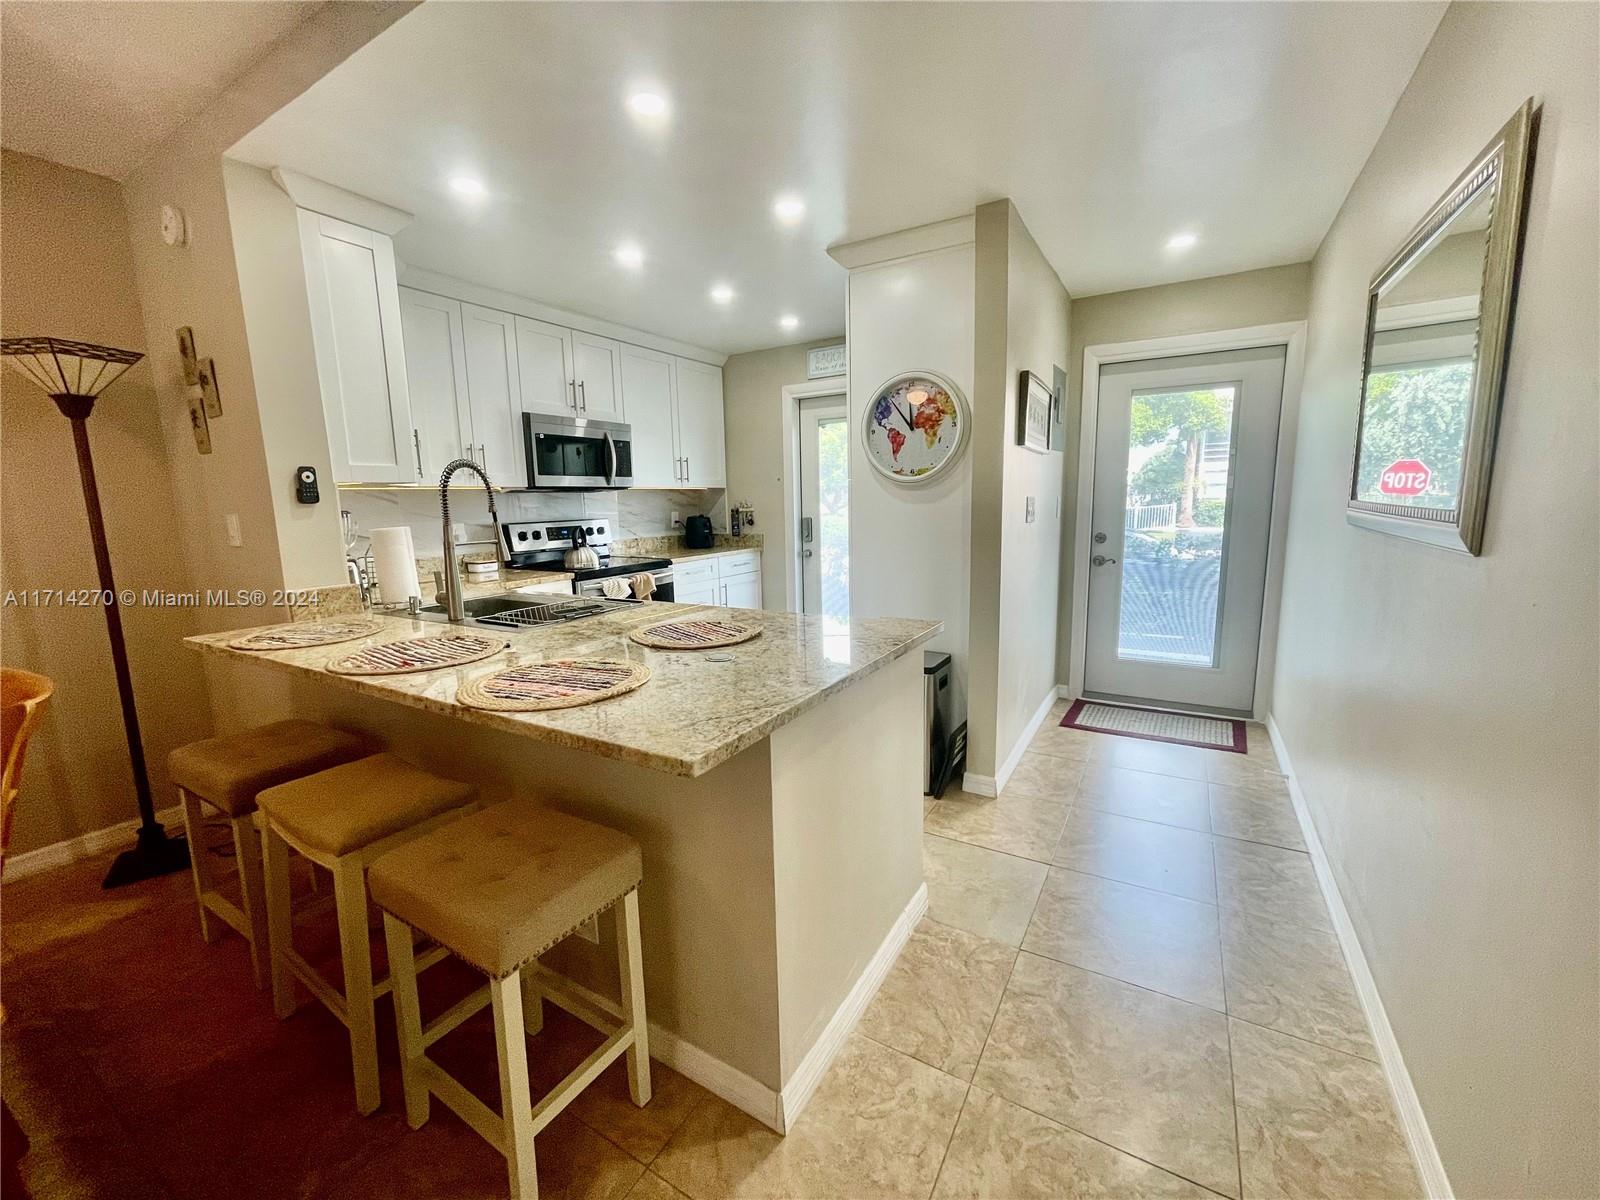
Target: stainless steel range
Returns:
[[543, 545]]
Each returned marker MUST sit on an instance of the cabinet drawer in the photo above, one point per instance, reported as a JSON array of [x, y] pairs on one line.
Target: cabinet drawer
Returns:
[[694, 571], [745, 562]]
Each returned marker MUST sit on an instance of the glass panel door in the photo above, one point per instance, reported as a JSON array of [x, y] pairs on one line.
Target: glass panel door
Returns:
[[824, 534]]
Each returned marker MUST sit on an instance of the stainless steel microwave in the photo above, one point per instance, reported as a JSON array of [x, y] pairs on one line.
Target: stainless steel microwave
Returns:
[[577, 453]]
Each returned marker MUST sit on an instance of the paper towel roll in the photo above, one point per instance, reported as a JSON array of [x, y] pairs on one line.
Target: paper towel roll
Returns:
[[395, 563]]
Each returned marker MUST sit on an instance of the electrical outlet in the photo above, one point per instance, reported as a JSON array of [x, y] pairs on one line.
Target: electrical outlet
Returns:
[[230, 522], [1027, 512], [676, 520]]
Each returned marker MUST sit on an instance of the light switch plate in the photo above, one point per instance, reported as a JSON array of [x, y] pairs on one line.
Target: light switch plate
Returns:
[[230, 522]]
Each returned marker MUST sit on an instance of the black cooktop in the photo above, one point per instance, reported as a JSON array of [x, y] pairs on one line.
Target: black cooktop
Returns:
[[616, 564]]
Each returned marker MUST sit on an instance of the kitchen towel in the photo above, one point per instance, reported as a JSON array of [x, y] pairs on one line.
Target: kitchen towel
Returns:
[[615, 587], [395, 563], [644, 584]]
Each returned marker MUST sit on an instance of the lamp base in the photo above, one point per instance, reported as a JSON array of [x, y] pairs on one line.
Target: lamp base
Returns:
[[154, 855]]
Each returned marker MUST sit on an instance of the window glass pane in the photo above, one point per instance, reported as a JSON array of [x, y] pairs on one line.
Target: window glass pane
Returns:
[[1179, 470], [833, 516]]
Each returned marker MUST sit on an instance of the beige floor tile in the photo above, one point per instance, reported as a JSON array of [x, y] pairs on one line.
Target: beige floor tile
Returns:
[[1242, 769], [1146, 795], [937, 1002], [1016, 822], [1057, 742], [979, 890], [1162, 942], [1142, 1071], [1045, 775], [1314, 1122], [652, 1187], [607, 1107], [1293, 979], [1254, 816], [1270, 881], [1003, 1152], [927, 806], [1149, 854], [1164, 758], [877, 1126]]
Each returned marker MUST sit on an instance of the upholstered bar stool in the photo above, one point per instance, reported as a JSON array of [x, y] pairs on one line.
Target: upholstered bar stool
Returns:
[[224, 774], [342, 819], [497, 889]]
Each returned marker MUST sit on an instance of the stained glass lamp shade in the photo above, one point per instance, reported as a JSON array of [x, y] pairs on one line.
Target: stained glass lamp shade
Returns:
[[73, 374]]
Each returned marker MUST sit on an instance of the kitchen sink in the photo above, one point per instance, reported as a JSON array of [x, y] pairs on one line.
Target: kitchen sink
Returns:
[[519, 612]]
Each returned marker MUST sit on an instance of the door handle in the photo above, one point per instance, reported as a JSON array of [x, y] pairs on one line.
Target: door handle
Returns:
[[806, 553], [1100, 560], [583, 397], [611, 460], [572, 386], [806, 529], [686, 468], [416, 441]]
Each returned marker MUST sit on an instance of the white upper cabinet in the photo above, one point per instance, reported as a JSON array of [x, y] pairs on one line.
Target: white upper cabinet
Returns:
[[700, 427], [597, 370], [436, 371], [355, 328], [647, 395], [494, 393], [544, 367]]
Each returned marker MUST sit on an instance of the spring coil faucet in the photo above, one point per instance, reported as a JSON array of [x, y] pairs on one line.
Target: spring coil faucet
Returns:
[[454, 607]]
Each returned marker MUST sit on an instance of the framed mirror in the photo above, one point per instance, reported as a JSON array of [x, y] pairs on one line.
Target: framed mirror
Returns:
[[1438, 324]]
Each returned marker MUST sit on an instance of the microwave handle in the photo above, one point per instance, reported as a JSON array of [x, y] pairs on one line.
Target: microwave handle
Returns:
[[611, 459]]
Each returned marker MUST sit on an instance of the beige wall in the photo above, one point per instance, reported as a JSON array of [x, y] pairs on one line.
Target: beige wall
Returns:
[[1441, 710], [758, 460], [67, 271], [1269, 296], [1020, 324]]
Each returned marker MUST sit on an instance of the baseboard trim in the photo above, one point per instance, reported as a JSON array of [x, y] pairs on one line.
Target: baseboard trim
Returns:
[[1408, 1107], [990, 785], [710, 1072], [86, 845], [803, 1083]]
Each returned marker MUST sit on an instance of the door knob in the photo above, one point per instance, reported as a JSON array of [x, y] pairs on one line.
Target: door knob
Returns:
[[1100, 560], [1099, 539]]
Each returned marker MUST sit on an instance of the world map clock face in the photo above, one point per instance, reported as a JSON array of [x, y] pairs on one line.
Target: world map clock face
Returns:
[[914, 424]]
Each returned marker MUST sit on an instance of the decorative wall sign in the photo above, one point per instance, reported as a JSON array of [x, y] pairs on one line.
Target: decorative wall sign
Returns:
[[209, 395], [201, 392], [914, 426], [190, 357], [1033, 413], [826, 361]]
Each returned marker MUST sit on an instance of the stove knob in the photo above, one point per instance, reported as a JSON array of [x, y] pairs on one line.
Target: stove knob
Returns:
[[522, 535], [589, 530], [535, 535]]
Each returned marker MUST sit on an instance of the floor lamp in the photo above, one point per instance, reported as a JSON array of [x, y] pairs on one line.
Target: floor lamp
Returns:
[[73, 374]]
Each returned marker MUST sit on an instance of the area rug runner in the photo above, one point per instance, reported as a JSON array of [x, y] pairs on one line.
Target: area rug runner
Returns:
[[1153, 725]]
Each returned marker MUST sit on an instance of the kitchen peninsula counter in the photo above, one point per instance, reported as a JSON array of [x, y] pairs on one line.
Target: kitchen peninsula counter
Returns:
[[774, 788]]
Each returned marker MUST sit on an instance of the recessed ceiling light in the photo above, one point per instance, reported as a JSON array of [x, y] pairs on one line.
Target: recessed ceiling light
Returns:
[[722, 294], [1181, 241], [789, 321], [466, 185], [789, 208], [647, 104], [630, 255]]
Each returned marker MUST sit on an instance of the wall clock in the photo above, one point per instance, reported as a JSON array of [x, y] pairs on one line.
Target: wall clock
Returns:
[[914, 426]]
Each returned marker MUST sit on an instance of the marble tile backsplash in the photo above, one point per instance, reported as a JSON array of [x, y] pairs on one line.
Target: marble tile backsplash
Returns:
[[633, 514]]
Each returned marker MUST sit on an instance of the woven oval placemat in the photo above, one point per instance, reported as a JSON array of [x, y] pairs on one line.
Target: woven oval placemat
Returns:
[[694, 635], [561, 683], [299, 637], [418, 654]]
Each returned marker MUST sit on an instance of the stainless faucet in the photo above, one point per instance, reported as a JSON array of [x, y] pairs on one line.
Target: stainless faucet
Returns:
[[454, 609]]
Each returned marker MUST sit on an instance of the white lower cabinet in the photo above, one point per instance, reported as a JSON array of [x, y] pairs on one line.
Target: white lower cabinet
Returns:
[[730, 580], [742, 591]]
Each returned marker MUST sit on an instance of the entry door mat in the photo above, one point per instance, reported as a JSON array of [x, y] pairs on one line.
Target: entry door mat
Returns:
[[1153, 725]]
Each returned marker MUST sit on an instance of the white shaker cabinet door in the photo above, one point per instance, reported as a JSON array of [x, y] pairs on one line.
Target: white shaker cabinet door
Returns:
[[699, 593], [436, 373], [700, 430], [355, 328], [544, 367], [494, 392], [742, 591], [597, 367], [647, 398]]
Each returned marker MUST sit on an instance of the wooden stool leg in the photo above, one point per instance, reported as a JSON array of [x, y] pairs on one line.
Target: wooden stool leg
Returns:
[[408, 1017], [532, 1005], [355, 949], [280, 921], [630, 966], [516, 1101], [253, 894], [194, 824]]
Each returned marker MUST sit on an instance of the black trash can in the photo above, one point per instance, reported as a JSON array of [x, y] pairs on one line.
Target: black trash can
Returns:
[[945, 746]]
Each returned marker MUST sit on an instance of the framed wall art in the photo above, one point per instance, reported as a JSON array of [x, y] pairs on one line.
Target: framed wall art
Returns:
[[1034, 404]]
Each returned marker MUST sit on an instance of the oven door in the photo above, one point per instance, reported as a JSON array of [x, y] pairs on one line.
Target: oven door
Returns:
[[574, 453], [663, 592]]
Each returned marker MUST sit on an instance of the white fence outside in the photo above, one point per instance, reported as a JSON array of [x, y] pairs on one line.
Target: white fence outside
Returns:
[[1152, 516]]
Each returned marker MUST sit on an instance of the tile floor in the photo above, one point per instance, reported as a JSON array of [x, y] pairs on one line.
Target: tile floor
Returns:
[[1126, 985]]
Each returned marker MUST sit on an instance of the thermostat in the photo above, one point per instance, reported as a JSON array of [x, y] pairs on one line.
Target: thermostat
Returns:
[[305, 485]]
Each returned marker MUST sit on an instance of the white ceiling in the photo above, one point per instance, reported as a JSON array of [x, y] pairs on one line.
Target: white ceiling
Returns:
[[97, 85], [1112, 126]]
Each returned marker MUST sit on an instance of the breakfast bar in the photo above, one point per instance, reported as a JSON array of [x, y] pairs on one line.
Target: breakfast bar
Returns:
[[773, 786]]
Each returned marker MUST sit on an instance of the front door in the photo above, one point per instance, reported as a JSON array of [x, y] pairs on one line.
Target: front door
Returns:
[[1185, 453], [824, 534]]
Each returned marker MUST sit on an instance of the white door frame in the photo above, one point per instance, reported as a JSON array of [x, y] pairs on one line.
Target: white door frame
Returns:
[[1292, 336], [789, 545]]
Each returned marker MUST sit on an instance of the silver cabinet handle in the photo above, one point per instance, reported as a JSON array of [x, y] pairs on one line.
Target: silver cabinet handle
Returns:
[[1100, 560], [572, 386], [583, 397], [416, 442], [686, 468]]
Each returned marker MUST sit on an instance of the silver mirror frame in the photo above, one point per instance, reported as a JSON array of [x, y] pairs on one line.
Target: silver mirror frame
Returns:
[[1506, 164]]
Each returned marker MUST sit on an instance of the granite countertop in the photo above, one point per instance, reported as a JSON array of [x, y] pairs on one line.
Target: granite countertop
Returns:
[[679, 553], [692, 715], [672, 546]]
